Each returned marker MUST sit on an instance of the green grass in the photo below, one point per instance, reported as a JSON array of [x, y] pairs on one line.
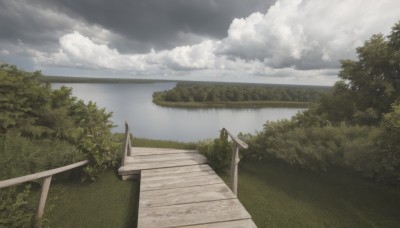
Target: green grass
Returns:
[[108, 202], [234, 104], [277, 195], [141, 142]]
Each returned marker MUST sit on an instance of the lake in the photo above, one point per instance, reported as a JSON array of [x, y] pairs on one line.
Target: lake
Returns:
[[133, 103]]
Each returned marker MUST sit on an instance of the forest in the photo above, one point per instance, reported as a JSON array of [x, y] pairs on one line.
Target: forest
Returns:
[[212, 94]]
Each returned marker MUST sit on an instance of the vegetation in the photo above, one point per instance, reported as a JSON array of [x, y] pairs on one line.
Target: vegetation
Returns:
[[277, 195], [142, 142], [199, 95], [40, 129], [108, 202], [217, 151], [356, 125], [114, 202]]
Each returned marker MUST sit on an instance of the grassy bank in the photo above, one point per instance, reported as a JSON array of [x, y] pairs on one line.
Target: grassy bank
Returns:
[[277, 195], [108, 202], [142, 142], [234, 104]]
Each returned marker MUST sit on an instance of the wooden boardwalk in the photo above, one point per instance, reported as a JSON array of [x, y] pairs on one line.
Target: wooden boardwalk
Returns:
[[178, 189]]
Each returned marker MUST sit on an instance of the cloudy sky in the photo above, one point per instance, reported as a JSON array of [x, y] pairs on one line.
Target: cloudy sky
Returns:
[[268, 41]]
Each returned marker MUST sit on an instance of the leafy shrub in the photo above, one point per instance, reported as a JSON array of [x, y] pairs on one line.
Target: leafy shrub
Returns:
[[217, 151], [34, 110], [22, 156], [14, 208]]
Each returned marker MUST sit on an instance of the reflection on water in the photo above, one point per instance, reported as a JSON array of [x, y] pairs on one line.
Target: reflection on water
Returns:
[[133, 102]]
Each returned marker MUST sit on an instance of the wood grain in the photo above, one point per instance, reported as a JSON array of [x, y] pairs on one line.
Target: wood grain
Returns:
[[192, 214], [245, 223], [193, 194]]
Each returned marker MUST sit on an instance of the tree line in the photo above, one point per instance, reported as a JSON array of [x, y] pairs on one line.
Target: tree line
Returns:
[[200, 92]]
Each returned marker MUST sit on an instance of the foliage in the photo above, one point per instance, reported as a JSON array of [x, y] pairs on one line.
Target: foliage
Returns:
[[277, 195], [14, 208], [33, 109], [368, 86], [21, 156], [211, 93], [389, 147], [355, 125], [142, 142], [41, 128], [217, 151], [315, 148]]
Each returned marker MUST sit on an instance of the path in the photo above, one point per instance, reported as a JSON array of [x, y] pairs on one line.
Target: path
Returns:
[[178, 189]]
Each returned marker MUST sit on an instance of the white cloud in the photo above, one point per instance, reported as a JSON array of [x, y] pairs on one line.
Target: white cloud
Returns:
[[294, 42], [5, 52], [308, 34]]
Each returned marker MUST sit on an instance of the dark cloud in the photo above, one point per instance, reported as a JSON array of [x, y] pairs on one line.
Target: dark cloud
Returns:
[[159, 24]]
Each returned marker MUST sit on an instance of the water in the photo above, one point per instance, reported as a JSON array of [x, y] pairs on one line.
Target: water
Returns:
[[133, 103]]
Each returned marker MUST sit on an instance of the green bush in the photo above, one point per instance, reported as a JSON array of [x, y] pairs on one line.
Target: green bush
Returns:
[[21, 156], [32, 109], [14, 208], [217, 151], [41, 128]]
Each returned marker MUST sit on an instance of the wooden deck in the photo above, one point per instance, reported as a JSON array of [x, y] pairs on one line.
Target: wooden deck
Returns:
[[178, 189]]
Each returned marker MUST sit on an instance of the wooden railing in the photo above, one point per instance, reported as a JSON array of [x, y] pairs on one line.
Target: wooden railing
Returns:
[[127, 146], [236, 145], [46, 175]]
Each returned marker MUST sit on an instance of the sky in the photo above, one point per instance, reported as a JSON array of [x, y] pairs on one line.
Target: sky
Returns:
[[258, 41]]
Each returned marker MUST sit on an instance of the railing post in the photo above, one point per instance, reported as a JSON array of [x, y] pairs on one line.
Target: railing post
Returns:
[[236, 145], [43, 198], [129, 152], [234, 168], [125, 144]]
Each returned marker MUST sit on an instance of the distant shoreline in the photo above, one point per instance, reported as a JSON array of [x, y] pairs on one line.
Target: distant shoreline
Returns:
[[66, 79], [69, 79], [234, 104]]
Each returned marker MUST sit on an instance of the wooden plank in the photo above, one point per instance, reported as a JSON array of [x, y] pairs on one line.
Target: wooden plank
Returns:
[[185, 195], [192, 214], [43, 197], [234, 168], [179, 183], [246, 223], [160, 164], [175, 170], [163, 157], [137, 151], [178, 175], [237, 141], [35, 176]]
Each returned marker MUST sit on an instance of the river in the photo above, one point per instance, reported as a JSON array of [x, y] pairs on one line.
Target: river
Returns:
[[133, 103]]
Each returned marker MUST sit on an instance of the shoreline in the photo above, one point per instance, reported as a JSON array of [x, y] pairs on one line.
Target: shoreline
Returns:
[[234, 104]]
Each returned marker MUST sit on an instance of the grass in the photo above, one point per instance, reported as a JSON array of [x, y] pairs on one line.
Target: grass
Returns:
[[142, 142], [234, 104], [108, 202], [277, 195]]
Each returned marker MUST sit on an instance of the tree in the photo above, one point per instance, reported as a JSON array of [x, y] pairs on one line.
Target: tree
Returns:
[[369, 85]]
